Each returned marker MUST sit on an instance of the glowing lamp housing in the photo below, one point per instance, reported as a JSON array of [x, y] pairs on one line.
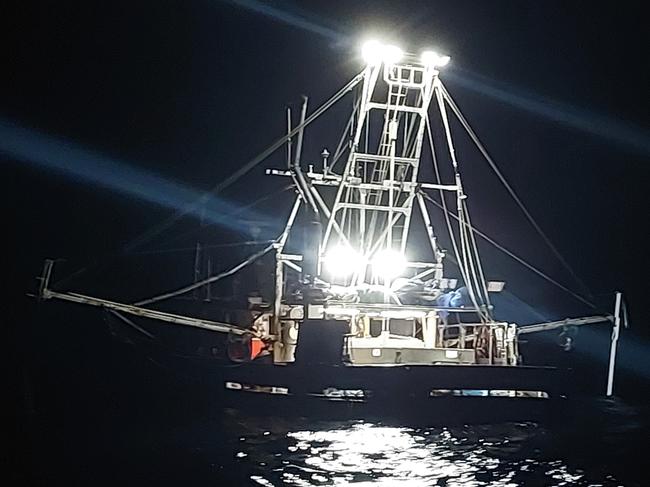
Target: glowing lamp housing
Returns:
[[374, 53], [433, 59]]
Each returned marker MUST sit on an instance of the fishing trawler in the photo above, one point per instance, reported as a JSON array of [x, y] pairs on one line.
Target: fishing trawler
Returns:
[[364, 315]]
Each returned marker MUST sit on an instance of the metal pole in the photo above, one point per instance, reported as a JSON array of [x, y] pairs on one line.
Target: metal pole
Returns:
[[197, 267], [208, 287], [612, 349], [289, 141]]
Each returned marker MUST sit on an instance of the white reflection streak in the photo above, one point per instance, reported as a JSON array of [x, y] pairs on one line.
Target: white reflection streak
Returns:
[[366, 455], [395, 453]]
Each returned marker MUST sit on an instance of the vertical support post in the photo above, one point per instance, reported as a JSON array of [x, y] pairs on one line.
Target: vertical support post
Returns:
[[428, 225], [197, 267], [490, 343], [462, 332], [289, 141], [277, 307], [43, 287], [208, 287], [614, 344]]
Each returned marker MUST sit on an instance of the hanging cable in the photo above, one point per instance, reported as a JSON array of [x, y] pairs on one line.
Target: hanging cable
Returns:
[[209, 280], [522, 207]]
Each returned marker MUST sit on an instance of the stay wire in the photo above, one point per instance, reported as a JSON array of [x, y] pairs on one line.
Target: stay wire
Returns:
[[512, 255], [211, 279]]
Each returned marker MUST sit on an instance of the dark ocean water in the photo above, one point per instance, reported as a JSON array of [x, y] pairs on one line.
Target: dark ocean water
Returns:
[[148, 438]]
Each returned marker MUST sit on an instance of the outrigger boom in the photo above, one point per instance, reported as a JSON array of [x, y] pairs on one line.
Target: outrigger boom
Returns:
[[46, 293]]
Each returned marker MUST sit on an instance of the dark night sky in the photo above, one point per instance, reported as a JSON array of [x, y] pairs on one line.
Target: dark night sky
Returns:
[[189, 91]]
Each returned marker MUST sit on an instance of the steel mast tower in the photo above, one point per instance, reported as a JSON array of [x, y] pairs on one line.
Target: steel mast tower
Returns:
[[373, 206]]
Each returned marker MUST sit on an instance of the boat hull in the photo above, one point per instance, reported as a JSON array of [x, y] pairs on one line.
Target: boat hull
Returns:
[[430, 394], [435, 394]]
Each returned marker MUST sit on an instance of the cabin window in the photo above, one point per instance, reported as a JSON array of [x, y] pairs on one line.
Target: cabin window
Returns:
[[375, 327], [402, 327]]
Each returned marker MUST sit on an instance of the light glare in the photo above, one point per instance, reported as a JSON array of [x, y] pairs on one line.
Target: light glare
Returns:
[[392, 54], [388, 264], [372, 52], [433, 59], [343, 261]]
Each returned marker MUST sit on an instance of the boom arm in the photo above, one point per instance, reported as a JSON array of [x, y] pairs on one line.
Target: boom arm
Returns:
[[46, 293]]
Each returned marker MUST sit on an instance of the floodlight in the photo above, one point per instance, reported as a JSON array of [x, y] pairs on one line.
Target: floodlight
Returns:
[[392, 54], [342, 261], [433, 59], [372, 52], [388, 263]]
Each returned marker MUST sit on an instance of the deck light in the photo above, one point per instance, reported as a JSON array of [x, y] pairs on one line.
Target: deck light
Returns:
[[343, 261], [433, 59], [388, 264]]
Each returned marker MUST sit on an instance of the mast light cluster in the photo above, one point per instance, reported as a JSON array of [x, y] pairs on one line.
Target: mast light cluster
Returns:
[[374, 52]]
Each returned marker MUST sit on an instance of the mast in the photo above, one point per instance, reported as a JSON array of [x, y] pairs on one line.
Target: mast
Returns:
[[370, 217]]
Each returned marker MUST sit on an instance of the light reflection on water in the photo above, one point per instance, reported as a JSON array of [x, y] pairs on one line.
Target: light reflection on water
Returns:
[[364, 454]]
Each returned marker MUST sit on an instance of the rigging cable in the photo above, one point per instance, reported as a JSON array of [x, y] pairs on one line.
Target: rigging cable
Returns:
[[467, 262], [479, 265], [522, 207], [101, 262], [234, 213], [534, 269], [242, 171]]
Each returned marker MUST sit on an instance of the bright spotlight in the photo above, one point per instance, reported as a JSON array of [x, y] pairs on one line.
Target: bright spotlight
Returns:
[[388, 264], [343, 261], [372, 52], [392, 54], [433, 59]]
